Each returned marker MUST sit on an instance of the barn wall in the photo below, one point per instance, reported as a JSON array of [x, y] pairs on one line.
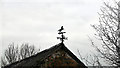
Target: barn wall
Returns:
[[59, 59]]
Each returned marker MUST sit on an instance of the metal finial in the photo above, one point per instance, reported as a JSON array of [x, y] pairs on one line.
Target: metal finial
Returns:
[[62, 38]]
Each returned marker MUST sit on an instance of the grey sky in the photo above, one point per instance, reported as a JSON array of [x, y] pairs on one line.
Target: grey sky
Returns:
[[37, 21]]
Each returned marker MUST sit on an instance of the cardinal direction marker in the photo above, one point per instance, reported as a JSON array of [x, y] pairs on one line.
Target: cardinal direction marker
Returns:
[[60, 32]]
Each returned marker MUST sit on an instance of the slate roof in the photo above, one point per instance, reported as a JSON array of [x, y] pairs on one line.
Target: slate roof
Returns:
[[42, 55]]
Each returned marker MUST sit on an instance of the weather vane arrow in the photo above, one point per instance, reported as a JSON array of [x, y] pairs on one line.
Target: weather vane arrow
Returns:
[[60, 32]]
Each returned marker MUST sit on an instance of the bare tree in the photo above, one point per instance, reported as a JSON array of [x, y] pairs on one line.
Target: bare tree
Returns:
[[106, 33], [91, 60], [10, 55], [26, 51], [14, 53]]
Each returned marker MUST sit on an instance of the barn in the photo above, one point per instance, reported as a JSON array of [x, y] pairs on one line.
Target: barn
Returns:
[[57, 56]]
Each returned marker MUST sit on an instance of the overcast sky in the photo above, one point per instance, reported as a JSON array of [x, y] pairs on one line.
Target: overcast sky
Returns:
[[37, 21]]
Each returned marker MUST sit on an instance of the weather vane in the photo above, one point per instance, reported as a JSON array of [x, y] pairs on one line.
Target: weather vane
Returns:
[[62, 38]]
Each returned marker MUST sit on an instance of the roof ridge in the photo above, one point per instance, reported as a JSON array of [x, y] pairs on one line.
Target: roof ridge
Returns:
[[57, 45]]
